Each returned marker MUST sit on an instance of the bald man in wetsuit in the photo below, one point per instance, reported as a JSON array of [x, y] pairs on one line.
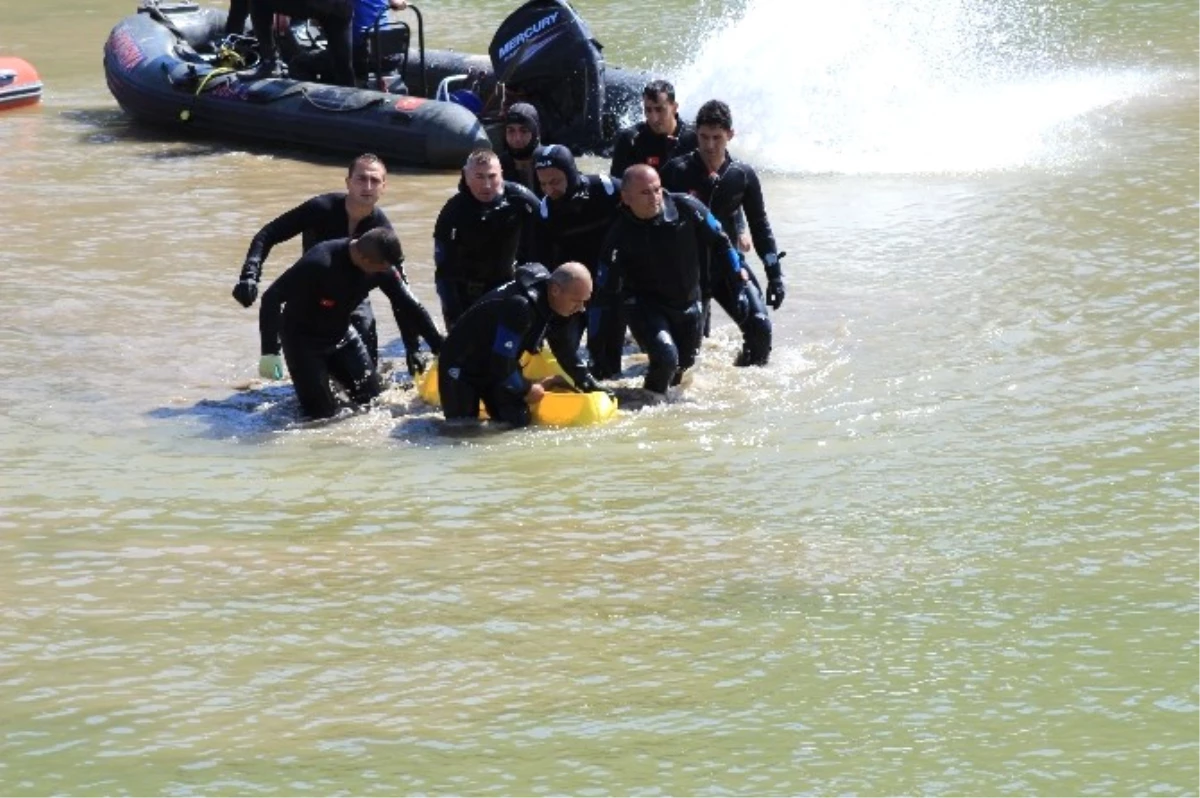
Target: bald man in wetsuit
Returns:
[[481, 358], [654, 260]]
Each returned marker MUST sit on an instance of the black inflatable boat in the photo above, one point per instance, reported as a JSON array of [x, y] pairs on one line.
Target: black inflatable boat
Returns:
[[171, 65]]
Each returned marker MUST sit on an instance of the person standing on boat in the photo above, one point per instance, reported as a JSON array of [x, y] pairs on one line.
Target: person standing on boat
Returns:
[[654, 259], [305, 314], [521, 137], [659, 138], [574, 217], [481, 358], [366, 14], [334, 17], [481, 233], [337, 215], [727, 186]]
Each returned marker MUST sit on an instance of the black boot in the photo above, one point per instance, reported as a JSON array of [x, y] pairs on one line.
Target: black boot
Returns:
[[263, 70]]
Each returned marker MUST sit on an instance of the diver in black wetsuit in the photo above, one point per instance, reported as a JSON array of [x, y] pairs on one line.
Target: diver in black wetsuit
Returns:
[[306, 312], [726, 186], [658, 139], [573, 219], [334, 17], [656, 258], [521, 138], [480, 234], [481, 358], [337, 215]]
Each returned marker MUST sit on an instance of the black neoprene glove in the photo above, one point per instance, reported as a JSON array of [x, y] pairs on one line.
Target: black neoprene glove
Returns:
[[775, 289], [587, 383], [246, 290], [416, 360]]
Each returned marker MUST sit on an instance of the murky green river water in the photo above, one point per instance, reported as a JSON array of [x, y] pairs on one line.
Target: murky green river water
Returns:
[[945, 544]]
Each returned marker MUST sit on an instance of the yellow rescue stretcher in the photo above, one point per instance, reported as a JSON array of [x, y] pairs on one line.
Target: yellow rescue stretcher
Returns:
[[557, 409]]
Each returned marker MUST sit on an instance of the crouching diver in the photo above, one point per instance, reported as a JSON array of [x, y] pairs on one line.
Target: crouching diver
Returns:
[[481, 233], [481, 357], [336, 215], [655, 258], [306, 313], [727, 186], [573, 219]]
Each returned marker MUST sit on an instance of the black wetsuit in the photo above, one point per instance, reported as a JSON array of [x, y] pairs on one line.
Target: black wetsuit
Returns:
[[334, 17], [727, 192], [307, 310], [640, 144], [511, 172], [657, 266], [324, 218], [573, 229], [476, 245], [481, 357]]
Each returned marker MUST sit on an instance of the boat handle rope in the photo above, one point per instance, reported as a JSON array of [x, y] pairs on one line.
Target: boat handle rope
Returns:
[[334, 109], [230, 61]]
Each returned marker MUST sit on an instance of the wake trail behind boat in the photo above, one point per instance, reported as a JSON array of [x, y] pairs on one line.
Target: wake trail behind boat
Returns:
[[879, 86]]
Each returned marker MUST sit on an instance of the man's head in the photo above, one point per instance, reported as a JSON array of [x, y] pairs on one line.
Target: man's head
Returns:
[[714, 129], [659, 106], [522, 130], [482, 175], [366, 180], [556, 171], [376, 250], [641, 191], [570, 289]]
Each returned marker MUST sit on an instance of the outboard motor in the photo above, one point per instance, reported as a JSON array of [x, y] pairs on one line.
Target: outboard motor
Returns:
[[544, 54]]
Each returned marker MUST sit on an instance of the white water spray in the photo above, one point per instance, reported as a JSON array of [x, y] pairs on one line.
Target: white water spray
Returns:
[[899, 86]]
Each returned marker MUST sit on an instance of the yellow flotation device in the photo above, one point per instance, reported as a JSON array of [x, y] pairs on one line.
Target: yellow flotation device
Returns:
[[567, 409]]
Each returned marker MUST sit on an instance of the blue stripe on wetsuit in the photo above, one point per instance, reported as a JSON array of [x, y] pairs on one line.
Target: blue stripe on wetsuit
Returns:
[[731, 253], [515, 382], [507, 343]]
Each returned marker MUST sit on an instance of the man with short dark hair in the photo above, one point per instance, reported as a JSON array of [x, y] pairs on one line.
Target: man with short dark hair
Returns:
[[662, 135], [480, 234], [306, 314], [726, 186], [481, 358], [338, 215], [654, 259]]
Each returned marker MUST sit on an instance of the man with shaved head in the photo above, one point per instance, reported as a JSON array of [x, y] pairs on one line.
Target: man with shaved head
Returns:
[[655, 259], [480, 360], [481, 233]]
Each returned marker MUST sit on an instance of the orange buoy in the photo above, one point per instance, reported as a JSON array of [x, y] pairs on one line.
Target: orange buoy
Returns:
[[19, 83]]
